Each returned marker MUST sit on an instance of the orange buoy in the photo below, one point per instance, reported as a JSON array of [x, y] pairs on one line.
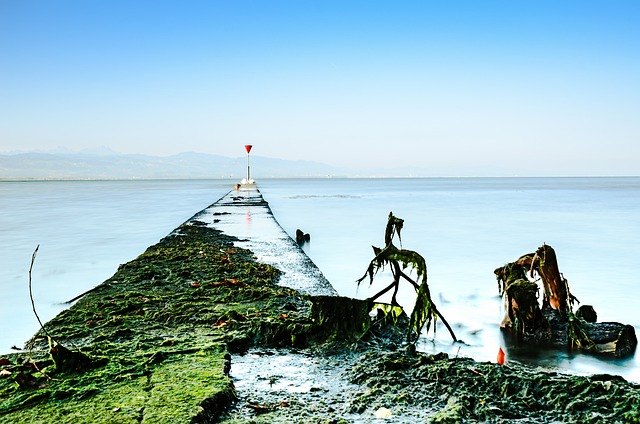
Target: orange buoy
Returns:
[[501, 356]]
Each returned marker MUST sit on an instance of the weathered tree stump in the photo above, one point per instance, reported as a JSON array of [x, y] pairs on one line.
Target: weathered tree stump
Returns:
[[554, 322]]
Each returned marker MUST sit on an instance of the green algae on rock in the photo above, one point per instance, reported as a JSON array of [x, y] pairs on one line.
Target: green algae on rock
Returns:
[[453, 390]]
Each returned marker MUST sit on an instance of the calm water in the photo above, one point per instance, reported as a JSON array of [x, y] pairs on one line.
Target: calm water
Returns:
[[465, 228], [85, 229]]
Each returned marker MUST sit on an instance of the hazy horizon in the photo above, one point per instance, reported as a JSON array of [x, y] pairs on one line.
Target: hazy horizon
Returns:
[[460, 88], [101, 164]]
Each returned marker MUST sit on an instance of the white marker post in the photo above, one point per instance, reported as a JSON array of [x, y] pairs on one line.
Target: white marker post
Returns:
[[248, 149]]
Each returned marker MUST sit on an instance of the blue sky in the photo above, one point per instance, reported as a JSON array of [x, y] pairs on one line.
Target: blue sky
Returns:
[[457, 87]]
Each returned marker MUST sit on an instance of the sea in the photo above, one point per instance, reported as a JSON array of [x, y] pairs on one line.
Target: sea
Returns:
[[465, 228]]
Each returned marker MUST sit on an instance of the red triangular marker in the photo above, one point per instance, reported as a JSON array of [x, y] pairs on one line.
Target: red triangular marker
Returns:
[[248, 147]]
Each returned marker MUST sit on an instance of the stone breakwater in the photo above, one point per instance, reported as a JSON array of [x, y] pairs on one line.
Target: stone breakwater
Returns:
[[152, 343]]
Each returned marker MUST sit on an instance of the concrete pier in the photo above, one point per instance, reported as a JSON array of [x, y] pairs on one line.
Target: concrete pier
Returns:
[[153, 343], [244, 214]]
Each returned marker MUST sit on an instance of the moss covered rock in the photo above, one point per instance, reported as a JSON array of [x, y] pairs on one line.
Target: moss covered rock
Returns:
[[154, 338]]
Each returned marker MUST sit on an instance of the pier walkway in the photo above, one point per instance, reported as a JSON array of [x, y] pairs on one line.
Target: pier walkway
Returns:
[[244, 214]]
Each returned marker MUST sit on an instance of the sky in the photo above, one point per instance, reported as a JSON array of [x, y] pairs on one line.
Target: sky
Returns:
[[454, 87]]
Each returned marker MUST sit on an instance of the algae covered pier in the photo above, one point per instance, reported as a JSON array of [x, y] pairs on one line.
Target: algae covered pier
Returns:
[[151, 343], [227, 320]]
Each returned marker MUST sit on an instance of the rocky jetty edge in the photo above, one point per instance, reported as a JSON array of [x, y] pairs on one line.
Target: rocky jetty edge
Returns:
[[227, 320]]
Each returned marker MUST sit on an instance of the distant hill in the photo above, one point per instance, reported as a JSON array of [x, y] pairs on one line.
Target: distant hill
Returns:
[[124, 166]]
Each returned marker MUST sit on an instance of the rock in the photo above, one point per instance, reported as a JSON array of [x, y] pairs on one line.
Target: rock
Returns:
[[383, 413], [301, 237], [587, 313]]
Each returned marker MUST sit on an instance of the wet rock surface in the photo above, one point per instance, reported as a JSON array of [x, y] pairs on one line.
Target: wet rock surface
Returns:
[[289, 385], [462, 390], [308, 386], [402, 386]]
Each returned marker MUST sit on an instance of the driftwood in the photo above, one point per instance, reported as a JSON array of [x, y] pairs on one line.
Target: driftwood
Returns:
[[425, 313], [64, 359], [553, 321]]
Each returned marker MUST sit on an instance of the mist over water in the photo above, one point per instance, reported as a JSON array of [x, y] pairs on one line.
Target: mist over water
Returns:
[[464, 227]]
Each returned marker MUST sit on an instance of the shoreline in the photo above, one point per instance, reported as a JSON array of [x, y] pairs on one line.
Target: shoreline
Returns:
[[330, 177], [161, 336]]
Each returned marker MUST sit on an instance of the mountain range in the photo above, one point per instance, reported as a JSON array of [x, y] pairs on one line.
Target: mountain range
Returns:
[[107, 165]]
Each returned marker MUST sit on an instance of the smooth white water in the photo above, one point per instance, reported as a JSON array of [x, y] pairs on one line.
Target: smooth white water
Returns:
[[464, 227]]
